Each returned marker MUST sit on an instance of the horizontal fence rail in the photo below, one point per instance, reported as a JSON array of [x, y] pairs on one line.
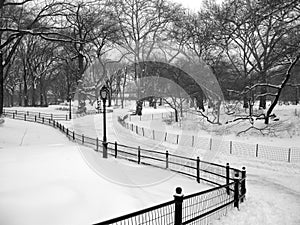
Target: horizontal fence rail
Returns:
[[198, 208], [16, 114], [276, 153]]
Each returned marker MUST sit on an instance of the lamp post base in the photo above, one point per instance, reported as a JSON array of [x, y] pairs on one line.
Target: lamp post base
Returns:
[[105, 149]]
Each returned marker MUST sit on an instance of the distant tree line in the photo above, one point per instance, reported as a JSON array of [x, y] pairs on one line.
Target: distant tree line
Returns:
[[46, 46]]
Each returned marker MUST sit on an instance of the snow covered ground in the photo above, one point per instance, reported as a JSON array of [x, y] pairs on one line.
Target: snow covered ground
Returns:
[[273, 195], [46, 179], [273, 188]]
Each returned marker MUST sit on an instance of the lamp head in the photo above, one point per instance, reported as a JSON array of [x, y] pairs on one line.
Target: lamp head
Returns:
[[104, 92]]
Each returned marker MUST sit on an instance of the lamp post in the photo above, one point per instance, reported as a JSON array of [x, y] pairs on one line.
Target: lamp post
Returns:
[[104, 92]]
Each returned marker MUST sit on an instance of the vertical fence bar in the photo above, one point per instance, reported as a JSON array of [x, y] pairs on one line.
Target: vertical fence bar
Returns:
[[13, 115], [210, 143], [143, 131], [236, 190], [97, 144], [256, 150], [166, 134], [24, 117], [43, 120], [198, 169], [289, 155], [139, 155], [177, 140], [137, 129], [39, 115], [35, 118], [167, 159], [227, 178], [73, 135], [178, 197], [67, 132], [16, 112], [66, 117], [230, 147], [116, 149], [243, 184], [82, 138]]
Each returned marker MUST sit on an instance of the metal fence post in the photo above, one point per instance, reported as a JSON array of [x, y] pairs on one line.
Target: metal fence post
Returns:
[[177, 141], [227, 178], [43, 120], [256, 150], [198, 169], [24, 117], [236, 190], [243, 184], [289, 155], [139, 155], [82, 137], [178, 197], [35, 118], [143, 131], [73, 135], [116, 149], [193, 140], [167, 159], [137, 130], [166, 134], [39, 115], [210, 143], [67, 132], [13, 115], [230, 148]]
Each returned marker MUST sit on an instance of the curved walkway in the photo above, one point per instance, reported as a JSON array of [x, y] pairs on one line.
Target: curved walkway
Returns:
[[44, 180]]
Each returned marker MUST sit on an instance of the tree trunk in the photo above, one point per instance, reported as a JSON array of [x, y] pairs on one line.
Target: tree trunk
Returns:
[[25, 91], [12, 96], [1, 83], [41, 93], [287, 77], [263, 91], [176, 115], [245, 101], [20, 94]]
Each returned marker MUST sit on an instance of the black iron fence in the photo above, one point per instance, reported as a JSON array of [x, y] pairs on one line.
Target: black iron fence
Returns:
[[197, 208], [27, 115], [276, 153]]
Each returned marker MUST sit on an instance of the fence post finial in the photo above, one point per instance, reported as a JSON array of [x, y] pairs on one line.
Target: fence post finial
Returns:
[[236, 190], [178, 197]]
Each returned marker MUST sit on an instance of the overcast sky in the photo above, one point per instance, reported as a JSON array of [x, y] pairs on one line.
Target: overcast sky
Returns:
[[192, 4]]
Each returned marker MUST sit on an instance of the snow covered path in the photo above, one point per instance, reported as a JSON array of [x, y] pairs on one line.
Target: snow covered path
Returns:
[[273, 195], [44, 179]]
